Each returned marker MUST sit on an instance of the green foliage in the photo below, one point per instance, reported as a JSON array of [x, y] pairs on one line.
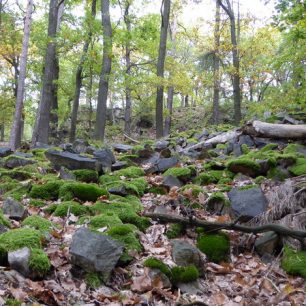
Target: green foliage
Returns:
[[215, 246], [244, 165], [130, 172], [93, 280], [157, 190], [108, 220], [61, 210], [245, 149], [155, 263], [82, 191], [86, 175], [277, 174], [3, 220], [39, 262], [268, 147], [12, 302], [299, 168], [218, 197], [180, 173], [39, 223], [47, 191], [37, 203], [184, 274], [259, 179], [175, 230], [294, 262]]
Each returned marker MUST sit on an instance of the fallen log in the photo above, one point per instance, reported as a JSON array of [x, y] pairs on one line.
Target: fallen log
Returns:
[[215, 226], [272, 130]]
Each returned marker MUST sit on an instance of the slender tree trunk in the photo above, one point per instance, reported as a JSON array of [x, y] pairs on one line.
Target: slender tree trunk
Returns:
[[182, 100], [216, 66], [42, 126], [78, 77], [173, 31], [128, 92], [89, 99], [16, 130], [105, 72], [1, 132], [187, 101], [160, 66], [236, 76]]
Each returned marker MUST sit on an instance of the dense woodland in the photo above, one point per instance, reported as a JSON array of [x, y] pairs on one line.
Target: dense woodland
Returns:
[[152, 152]]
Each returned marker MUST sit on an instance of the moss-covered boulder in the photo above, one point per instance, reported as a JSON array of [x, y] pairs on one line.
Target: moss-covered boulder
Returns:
[[215, 246], [155, 263], [39, 223], [294, 262], [212, 176], [245, 166], [39, 263], [104, 220], [217, 202], [86, 175], [175, 230], [130, 172], [183, 173], [61, 210], [46, 191], [299, 168]]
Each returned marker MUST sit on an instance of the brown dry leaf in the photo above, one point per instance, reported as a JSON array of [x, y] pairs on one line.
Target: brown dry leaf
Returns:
[[56, 234], [173, 193], [53, 285], [223, 268], [219, 299], [202, 198], [240, 280], [142, 283], [223, 219], [18, 293]]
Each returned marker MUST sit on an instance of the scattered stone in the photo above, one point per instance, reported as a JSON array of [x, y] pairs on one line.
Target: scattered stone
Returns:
[[170, 181], [80, 146], [19, 260], [66, 175], [246, 139], [105, 156], [161, 145], [5, 152], [122, 148], [162, 164], [14, 209], [157, 276], [67, 147], [14, 161], [267, 243], [95, 252], [247, 203], [190, 288], [119, 165], [120, 191]]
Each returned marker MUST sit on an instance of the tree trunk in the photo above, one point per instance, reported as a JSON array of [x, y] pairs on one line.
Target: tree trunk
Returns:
[[216, 66], [78, 77], [161, 66], [1, 132], [236, 76], [41, 130], [170, 95], [128, 94], [105, 72], [16, 130], [187, 101]]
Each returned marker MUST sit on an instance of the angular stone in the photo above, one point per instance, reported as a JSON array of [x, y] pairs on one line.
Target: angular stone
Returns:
[[246, 139], [191, 288], [119, 165], [123, 148], [19, 260], [120, 191], [16, 161], [105, 156], [67, 147], [80, 146], [95, 252], [14, 209], [66, 175], [264, 166], [5, 152], [267, 243], [161, 145], [157, 276], [162, 164], [170, 181], [247, 204]]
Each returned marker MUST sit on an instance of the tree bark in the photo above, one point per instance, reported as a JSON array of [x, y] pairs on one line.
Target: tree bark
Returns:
[[16, 130], [78, 77], [42, 126], [128, 92], [216, 64], [105, 72], [269, 130], [161, 66], [236, 63]]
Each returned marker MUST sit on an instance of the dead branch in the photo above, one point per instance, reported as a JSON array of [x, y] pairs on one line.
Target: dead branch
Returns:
[[131, 139]]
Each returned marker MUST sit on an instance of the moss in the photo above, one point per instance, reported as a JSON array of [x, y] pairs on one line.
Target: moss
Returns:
[[180, 173], [82, 191], [39, 262], [217, 197], [269, 147], [19, 192], [212, 176], [299, 168], [93, 280], [3, 220], [221, 146], [137, 186], [294, 262], [195, 189], [47, 191], [141, 184], [103, 220], [244, 165], [245, 149], [246, 187], [157, 190], [129, 158], [224, 188], [39, 154], [38, 223], [108, 178], [86, 175], [292, 148], [8, 186], [50, 209], [130, 172], [15, 174], [175, 230], [277, 173], [155, 263], [184, 274], [259, 179], [212, 153], [225, 180], [61, 210], [215, 246], [37, 203], [12, 302]]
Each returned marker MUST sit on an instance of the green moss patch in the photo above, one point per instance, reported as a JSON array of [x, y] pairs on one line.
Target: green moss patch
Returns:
[[195, 189], [104, 220], [155, 263], [39, 262], [15, 174], [184, 274], [38, 223], [294, 262], [299, 168], [3, 220], [180, 173], [212, 176], [93, 280], [244, 166], [215, 246], [86, 175], [18, 192], [130, 172], [175, 230], [47, 191], [61, 210]]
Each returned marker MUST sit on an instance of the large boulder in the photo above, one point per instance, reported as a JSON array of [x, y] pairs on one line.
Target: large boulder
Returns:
[[247, 203], [122, 148], [14, 161], [80, 146], [72, 161], [105, 156], [5, 152], [162, 164], [14, 209], [95, 252]]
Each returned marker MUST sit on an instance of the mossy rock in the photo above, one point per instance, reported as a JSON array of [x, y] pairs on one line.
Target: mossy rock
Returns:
[[215, 246], [136, 186], [259, 179], [175, 230], [19, 192], [245, 166], [9, 186], [86, 175], [3, 220], [294, 262], [93, 280], [292, 148], [16, 174], [130, 172], [108, 178], [212, 176], [155, 263], [129, 158], [269, 147], [183, 174], [184, 274], [39, 262], [157, 190], [39, 223], [39, 154], [299, 168], [37, 203], [82, 191], [104, 220], [245, 149], [46, 191], [61, 210], [277, 174], [195, 189]]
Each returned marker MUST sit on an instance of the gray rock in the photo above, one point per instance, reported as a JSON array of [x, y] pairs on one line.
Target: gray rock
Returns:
[[237, 149], [162, 164], [156, 276], [3, 229], [19, 260], [105, 156], [25, 155], [161, 145], [267, 243], [190, 288], [246, 139], [123, 148], [14, 161], [264, 166], [185, 254], [289, 120], [72, 161], [120, 191], [165, 153], [247, 204], [80, 146], [119, 165], [14, 209], [5, 152], [67, 147], [170, 181], [95, 252], [66, 175]]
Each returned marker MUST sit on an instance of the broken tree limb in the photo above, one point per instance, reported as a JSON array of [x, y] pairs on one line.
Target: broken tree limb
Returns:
[[272, 130], [215, 226], [221, 138]]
